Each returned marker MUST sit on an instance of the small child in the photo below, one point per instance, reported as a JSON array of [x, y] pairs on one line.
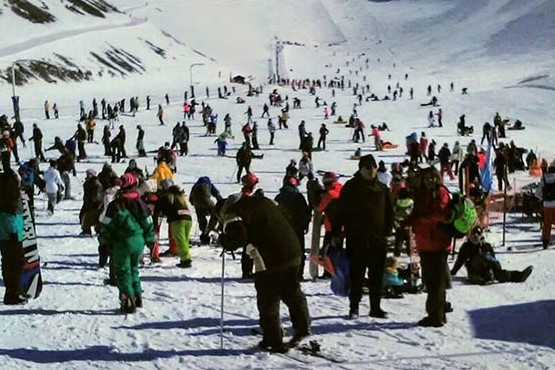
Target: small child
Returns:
[[392, 283], [403, 208]]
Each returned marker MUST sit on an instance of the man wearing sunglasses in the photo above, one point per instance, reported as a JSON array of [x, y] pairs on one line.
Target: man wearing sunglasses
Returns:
[[365, 216]]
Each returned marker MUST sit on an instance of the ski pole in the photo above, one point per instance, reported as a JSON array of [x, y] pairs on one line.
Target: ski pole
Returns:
[[233, 173], [222, 305]]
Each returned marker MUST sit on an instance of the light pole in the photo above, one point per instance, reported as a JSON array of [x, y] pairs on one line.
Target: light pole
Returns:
[[191, 77], [15, 99]]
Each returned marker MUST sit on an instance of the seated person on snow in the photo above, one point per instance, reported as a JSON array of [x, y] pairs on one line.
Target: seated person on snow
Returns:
[[482, 266]]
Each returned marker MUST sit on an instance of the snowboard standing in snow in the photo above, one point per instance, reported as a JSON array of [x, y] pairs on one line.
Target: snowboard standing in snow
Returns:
[[315, 242], [414, 261], [31, 278]]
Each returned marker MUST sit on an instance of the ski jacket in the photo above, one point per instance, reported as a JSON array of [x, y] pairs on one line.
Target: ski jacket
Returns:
[[472, 256], [261, 222], [53, 180], [431, 212], [127, 221], [6, 144], [327, 206], [548, 178], [365, 210], [93, 194], [295, 206], [11, 209], [202, 192], [172, 203], [161, 173]]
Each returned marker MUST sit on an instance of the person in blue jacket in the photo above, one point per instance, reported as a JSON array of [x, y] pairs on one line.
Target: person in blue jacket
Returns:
[[11, 237]]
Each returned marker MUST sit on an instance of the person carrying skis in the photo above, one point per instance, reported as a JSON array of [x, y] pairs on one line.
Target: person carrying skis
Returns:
[[127, 227]]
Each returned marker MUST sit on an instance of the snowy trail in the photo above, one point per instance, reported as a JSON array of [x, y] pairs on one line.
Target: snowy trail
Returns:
[[11, 50]]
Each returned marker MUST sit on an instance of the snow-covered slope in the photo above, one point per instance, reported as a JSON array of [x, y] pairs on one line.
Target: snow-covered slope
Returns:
[[501, 50]]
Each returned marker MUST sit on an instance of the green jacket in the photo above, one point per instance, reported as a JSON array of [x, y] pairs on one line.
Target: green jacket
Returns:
[[127, 219]]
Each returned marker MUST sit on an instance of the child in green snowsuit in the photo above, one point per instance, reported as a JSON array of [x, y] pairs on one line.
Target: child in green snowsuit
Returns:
[[127, 227]]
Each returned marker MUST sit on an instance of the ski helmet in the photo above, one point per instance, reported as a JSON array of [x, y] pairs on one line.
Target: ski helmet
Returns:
[[250, 179]]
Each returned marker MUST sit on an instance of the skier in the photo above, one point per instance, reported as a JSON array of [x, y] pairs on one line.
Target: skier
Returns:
[[258, 224], [127, 227], [201, 196]]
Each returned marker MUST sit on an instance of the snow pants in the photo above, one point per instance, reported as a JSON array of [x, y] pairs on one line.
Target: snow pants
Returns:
[[434, 276], [365, 254], [126, 258], [273, 287], [180, 230], [548, 220], [13, 261]]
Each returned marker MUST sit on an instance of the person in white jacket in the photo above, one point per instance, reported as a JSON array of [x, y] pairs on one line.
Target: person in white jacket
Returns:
[[457, 156], [54, 184]]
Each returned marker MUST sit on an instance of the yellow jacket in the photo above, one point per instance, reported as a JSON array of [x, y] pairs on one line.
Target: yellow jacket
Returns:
[[161, 173]]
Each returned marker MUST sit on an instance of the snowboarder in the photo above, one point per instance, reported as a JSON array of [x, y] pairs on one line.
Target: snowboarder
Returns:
[[482, 267]]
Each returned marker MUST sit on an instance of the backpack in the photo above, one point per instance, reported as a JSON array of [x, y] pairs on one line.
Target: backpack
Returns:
[[27, 175], [464, 215], [548, 191]]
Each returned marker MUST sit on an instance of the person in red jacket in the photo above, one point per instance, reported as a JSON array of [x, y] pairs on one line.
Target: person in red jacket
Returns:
[[433, 241], [327, 204], [6, 147]]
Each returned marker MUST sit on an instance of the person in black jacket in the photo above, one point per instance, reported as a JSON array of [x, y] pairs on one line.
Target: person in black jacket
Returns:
[[11, 236], [140, 141], [201, 198], [365, 212], [243, 159], [482, 267], [296, 207], [81, 137], [93, 202], [58, 145], [66, 164], [260, 225], [37, 140]]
